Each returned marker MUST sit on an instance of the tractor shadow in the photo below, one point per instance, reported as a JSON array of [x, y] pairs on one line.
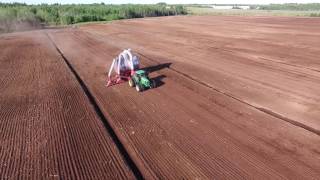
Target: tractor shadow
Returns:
[[157, 79], [158, 67]]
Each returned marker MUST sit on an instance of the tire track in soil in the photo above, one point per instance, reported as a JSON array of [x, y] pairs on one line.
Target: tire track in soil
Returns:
[[115, 138], [48, 128]]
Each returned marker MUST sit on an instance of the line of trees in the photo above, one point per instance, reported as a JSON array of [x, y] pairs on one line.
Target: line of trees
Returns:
[[315, 14], [57, 14], [292, 6]]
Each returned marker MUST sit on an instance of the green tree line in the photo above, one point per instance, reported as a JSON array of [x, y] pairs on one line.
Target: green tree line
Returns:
[[292, 6], [57, 14]]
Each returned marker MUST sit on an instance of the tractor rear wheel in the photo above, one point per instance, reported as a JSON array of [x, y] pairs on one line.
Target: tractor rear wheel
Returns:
[[139, 88], [131, 83]]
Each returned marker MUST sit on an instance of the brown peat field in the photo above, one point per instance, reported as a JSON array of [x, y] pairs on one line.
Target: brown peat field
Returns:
[[237, 98]]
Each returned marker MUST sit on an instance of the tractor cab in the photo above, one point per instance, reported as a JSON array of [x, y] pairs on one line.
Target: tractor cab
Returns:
[[141, 74], [141, 81]]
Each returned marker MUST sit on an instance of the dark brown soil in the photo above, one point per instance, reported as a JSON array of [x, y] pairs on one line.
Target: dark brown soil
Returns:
[[237, 98], [221, 112], [48, 128], [268, 62]]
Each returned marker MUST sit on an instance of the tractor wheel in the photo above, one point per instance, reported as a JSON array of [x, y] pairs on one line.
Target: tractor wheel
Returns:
[[131, 83], [139, 88]]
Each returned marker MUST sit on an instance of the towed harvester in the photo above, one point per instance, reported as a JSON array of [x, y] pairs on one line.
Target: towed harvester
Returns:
[[122, 67], [126, 68]]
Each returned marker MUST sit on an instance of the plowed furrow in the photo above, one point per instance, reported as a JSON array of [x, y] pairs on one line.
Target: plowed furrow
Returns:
[[187, 128], [234, 61], [48, 127]]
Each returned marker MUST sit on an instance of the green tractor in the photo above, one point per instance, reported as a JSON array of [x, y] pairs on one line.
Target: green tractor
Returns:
[[141, 80]]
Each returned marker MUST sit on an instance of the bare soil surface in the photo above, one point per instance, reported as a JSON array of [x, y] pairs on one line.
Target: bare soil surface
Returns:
[[271, 63], [237, 96], [48, 128]]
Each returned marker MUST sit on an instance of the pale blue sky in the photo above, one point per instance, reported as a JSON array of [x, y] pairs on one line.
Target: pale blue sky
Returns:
[[167, 1]]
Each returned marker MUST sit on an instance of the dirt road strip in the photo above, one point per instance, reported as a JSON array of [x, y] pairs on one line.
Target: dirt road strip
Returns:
[[185, 130], [48, 128]]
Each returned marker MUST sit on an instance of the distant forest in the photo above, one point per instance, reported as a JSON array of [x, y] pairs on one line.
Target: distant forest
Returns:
[[14, 16], [57, 14]]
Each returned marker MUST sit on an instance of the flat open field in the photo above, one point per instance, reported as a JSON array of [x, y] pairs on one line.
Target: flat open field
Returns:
[[248, 12], [48, 127], [237, 98]]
